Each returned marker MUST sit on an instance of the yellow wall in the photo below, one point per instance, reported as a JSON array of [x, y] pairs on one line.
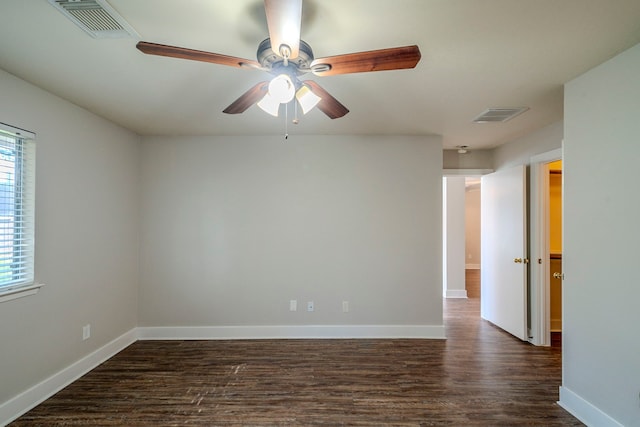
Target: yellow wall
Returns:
[[555, 207]]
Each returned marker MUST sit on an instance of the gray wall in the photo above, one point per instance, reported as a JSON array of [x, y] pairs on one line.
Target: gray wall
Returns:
[[235, 227], [520, 151], [454, 235], [473, 159], [601, 234], [86, 238]]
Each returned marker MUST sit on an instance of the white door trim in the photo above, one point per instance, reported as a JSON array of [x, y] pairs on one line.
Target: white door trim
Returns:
[[540, 333]]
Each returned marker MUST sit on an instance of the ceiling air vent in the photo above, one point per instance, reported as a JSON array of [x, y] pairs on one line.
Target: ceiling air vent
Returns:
[[493, 115], [96, 17]]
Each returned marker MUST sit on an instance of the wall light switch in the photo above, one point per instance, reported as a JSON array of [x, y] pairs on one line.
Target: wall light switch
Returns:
[[293, 305], [310, 306], [345, 306]]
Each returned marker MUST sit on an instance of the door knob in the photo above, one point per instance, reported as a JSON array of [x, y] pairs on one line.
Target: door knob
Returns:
[[517, 260], [557, 275]]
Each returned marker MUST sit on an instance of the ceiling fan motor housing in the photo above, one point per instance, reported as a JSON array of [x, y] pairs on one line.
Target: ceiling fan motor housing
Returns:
[[272, 61]]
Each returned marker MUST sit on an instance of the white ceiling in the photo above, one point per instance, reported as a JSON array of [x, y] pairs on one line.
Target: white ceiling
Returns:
[[476, 54]]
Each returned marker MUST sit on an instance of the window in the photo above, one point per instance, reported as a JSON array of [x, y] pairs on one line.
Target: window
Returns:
[[17, 191]]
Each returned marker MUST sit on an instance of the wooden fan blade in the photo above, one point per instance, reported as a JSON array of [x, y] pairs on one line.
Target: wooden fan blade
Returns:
[[247, 99], [284, 18], [328, 104], [194, 55], [396, 58]]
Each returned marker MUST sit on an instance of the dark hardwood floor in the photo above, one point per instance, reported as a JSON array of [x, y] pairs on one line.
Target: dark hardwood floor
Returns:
[[472, 283], [479, 376]]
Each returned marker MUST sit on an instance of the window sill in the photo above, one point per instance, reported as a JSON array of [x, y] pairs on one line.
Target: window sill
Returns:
[[23, 291]]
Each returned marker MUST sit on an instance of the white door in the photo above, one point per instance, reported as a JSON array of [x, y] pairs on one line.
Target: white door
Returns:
[[504, 261]]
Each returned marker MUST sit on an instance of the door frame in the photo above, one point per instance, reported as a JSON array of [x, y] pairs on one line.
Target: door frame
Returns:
[[540, 288], [447, 173]]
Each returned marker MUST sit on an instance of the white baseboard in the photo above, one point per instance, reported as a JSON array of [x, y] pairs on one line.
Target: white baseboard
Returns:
[[25, 401], [292, 332], [456, 293], [585, 411], [472, 266]]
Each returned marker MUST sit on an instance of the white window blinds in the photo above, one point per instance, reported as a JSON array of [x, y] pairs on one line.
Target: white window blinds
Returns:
[[17, 200]]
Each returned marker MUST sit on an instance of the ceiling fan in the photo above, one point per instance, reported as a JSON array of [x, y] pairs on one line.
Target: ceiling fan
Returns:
[[288, 58]]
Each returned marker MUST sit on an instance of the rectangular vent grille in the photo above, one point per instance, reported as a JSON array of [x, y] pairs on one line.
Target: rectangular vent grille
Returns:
[[493, 115], [96, 17]]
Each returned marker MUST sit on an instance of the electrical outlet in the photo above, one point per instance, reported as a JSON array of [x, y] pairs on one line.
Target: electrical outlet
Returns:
[[293, 305], [345, 306], [310, 306], [86, 332]]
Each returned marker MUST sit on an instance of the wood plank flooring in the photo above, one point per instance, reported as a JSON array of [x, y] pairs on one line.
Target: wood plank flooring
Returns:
[[479, 376], [472, 283]]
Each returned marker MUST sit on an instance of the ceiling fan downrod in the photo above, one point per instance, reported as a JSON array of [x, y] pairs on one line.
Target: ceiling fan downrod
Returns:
[[285, 52]]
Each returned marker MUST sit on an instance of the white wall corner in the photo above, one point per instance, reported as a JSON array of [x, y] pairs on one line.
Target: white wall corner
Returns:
[[585, 411], [27, 400]]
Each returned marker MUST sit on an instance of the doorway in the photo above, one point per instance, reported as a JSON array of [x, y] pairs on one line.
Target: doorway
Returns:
[[472, 236], [555, 251], [461, 235], [545, 291], [538, 293]]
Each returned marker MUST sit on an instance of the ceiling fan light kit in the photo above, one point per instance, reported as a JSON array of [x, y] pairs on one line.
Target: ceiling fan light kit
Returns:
[[281, 89], [307, 99], [269, 105], [292, 59]]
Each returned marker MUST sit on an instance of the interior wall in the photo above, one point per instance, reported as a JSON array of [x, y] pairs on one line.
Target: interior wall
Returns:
[[236, 227], [601, 292], [472, 159], [86, 238], [472, 227], [454, 224], [520, 151]]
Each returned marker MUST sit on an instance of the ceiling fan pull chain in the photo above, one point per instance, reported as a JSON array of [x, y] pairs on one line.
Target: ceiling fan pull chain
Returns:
[[286, 121], [295, 120]]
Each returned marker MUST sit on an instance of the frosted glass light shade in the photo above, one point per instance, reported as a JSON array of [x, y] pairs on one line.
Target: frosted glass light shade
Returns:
[[269, 104], [282, 89], [307, 99]]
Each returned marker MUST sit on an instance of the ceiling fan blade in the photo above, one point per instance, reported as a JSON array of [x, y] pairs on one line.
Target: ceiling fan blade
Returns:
[[194, 55], [328, 104], [250, 97], [396, 58], [284, 18]]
